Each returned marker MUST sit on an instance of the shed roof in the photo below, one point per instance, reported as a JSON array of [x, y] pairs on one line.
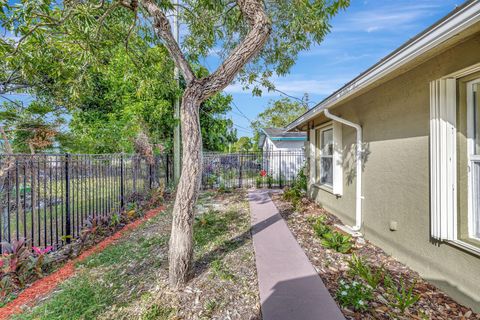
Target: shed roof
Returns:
[[280, 134]]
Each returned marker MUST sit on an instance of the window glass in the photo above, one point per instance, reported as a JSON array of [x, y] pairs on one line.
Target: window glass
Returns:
[[327, 142], [325, 157]]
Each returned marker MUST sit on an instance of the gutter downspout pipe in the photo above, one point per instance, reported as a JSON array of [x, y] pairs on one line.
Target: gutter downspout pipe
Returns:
[[359, 197]]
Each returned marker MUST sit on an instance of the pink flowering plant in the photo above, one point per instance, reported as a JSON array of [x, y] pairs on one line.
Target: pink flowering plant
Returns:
[[39, 259], [19, 264]]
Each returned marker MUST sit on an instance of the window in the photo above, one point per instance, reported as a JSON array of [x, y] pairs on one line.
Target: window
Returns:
[[455, 167], [325, 157], [473, 110]]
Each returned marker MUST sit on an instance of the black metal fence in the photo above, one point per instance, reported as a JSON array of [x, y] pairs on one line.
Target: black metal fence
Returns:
[[47, 198], [263, 169]]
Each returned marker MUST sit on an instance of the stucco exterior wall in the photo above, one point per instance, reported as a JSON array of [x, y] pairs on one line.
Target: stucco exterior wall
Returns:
[[396, 175]]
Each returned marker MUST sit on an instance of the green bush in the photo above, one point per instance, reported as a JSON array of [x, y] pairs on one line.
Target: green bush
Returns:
[[401, 297], [360, 268], [320, 228], [337, 241], [269, 181], [354, 295], [301, 180], [258, 182]]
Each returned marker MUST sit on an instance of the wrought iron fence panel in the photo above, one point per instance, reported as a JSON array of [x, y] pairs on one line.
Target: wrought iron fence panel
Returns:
[[262, 169], [47, 198]]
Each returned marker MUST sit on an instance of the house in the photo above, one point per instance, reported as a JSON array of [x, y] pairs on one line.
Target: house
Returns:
[[283, 152], [395, 153]]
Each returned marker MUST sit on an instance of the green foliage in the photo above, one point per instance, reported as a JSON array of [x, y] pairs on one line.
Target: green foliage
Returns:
[[224, 189], [210, 226], [31, 127], [320, 228], [115, 220], [258, 181], [293, 195], [359, 267], [301, 182], [158, 312], [297, 191], [270, 181], [100, 70], [220, 269], [354, 295], [278, 114], [337, 241], [402, 296], [244, 144], [19, 265]]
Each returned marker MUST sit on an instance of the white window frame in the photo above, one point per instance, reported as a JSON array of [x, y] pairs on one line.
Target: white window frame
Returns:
[[319, 156], [337, 158], [443, 155], [472, 232]]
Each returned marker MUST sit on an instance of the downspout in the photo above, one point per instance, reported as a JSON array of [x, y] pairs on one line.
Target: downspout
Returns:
[[358, 156]]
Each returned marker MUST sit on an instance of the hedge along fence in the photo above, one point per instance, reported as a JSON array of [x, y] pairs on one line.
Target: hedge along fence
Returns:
[[47, 198]]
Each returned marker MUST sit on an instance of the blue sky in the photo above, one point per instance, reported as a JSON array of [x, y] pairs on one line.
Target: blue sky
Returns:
[[363, 34]]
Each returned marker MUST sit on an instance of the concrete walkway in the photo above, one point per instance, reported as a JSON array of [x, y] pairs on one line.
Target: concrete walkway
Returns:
[[290, 288]]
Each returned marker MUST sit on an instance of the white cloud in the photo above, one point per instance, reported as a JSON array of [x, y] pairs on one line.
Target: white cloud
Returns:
[[397, 17], [295, 85]]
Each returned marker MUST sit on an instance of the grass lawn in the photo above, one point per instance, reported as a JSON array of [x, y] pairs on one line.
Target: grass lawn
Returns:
[[129, 279]]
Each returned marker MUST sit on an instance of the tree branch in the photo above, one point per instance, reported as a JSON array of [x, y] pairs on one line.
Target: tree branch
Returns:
[[164, 31], [251, 45], [6, 88]]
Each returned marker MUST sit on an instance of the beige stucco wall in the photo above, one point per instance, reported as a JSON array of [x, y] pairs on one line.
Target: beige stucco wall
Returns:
[[396, 177]]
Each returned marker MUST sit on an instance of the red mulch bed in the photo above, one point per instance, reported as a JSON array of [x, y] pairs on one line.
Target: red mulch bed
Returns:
[[46, 285]]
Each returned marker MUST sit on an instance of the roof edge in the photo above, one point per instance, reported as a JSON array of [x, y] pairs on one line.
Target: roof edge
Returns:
[[456, 21]]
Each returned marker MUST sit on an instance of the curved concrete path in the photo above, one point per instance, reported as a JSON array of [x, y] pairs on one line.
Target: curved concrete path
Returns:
[[290, 288]]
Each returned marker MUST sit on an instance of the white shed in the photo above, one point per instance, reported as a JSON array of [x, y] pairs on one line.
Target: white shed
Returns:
[[283, 152]]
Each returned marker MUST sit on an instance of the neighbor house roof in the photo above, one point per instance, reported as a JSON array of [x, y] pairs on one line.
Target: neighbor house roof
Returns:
[[280, 134], [438, 34]]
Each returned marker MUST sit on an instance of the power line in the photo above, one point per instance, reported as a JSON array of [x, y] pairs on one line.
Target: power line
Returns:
[[241, 113]]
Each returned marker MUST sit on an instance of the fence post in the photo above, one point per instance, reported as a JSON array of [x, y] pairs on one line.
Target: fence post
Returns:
[[280, 169], [240, 169], [167, 170], [68, 227], [150, 175], [122, 182]]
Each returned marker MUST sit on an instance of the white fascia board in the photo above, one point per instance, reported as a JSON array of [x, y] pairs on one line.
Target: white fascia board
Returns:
[[452, 25]]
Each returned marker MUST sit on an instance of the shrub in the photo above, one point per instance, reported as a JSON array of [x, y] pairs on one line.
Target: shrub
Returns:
[[401, 297], [40, 259], [354, 295], [360, 268], [17, 262], [258, 182], [269, 181], [211, 180], [301, 182], [320, 228], [337, 241]]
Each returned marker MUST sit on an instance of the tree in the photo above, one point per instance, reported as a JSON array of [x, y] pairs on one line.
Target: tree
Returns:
[[256, 39], [278, 114], [31, 127], [243, 144]]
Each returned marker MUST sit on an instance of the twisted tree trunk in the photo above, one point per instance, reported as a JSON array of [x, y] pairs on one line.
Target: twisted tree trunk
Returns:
[[181, 240], [197, 91]]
